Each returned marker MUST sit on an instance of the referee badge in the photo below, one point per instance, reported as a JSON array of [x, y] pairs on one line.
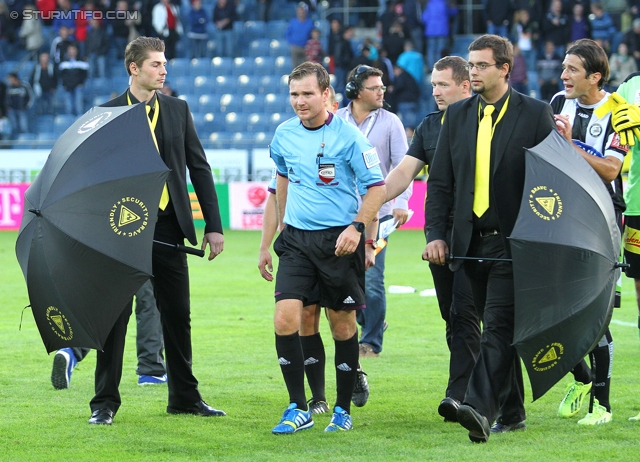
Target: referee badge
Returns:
[[327, 172]]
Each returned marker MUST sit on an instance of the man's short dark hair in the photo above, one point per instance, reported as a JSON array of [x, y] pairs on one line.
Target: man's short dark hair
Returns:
[[138, 50], [363, 72], [593, 57], [459, 68], [501, 47], [309, 68]]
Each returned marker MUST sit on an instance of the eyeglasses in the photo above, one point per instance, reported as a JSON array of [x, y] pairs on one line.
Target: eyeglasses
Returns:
[[376, 89], [482, 66]]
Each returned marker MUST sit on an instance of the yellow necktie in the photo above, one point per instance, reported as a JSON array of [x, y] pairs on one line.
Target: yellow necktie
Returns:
[[164, 198], [483, 162]]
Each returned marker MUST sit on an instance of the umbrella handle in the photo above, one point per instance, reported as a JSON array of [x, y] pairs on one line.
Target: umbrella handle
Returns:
[[182, 248], [622, 265], [452, 257]]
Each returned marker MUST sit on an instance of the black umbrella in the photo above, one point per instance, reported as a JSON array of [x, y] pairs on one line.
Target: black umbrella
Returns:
[[565, 247], [86, 235]]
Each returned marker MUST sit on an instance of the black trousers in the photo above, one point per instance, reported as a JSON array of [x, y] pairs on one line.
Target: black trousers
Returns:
[[171, 287], [462, 326], [497, 370]]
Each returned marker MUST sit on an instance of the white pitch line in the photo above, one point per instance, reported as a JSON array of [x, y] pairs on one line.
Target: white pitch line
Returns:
[[623, 323]]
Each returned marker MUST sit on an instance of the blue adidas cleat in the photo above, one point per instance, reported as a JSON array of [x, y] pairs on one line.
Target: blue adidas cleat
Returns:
[[341, 421], [64, 362], [293, 420]]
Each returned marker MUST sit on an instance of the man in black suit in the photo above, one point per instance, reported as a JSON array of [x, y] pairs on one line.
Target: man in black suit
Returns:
[[478, 174], [179, 147]]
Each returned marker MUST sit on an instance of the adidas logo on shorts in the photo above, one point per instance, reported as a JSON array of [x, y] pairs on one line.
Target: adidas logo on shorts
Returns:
[[283, 362], [310, 361], [343, 367], [349, 300]]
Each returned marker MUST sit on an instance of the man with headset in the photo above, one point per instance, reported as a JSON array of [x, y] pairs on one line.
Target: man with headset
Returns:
[[385, 132]]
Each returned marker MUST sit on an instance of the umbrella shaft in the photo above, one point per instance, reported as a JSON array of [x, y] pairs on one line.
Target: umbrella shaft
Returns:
[[455, 257]]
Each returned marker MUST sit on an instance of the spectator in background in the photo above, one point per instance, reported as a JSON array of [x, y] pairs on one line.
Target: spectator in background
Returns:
[[394, 41], [5, 124], [343, 57], [412, 62], [263, 10], [165, 18], [97, 47], [82, 26], [297, 34], [412, 14], [59, 46], [526, 34], [554, 27], [44, 83], [65, 17], [168, 90], [31, 33], [632, 40], [436, 29], [197, 34], [335, 35], [19, 101], [386, 66], [518, 78], [73, 74], [7, 32], [602, 27], [498, 14], [364, 58], [120, 28], [224, 15], [313, 48], [404, 96], [580, 25], [549, 67], [46, 7], [621, 65], [386, 19]]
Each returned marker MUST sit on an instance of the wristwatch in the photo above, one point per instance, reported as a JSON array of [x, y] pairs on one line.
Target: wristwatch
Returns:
[[358, 225], [372, 243]]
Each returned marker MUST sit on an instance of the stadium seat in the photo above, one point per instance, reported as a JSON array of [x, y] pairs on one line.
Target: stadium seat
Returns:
[[206, 122], [272, 84], [247, 84], [182, 84], [191, 99], [276, 29], [264, 65], [221, 66], [100, 100], [254, 30], [212, 48], [219, 140], [278, 48], [178, 66], [61, 122], [230, 103], [200, 67], [262, 139], [44, 123], [283, 65], [203, 85], [259, 47], [26, 141], [274, 103], [209, 103], [259, 122], [242, 66], [225, 84], [252, 102], [236, 122]]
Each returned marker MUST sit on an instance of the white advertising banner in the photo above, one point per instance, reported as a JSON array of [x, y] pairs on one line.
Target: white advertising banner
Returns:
[[21, 165], [261, 165], [246, 204], [228, 165]]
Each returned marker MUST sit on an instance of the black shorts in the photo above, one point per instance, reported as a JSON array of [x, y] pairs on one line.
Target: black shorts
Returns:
[[632, 246], [308, 265]]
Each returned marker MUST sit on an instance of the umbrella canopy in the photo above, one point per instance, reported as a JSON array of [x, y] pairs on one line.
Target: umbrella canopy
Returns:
[[565, 247], [85, 241]]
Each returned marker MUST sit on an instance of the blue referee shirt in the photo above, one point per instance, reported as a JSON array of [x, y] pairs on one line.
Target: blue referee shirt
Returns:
[[324, 166]]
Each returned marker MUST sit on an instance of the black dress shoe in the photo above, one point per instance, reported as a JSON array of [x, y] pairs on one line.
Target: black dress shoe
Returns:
[[476, 423], [101, 417], [504, 428], [449, 409], [200, 408]]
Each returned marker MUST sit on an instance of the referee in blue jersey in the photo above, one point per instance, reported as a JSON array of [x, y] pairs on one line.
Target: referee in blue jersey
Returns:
[[320, 160]]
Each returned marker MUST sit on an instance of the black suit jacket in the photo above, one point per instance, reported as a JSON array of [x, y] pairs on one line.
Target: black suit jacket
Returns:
[[181, 150], [525, 124]]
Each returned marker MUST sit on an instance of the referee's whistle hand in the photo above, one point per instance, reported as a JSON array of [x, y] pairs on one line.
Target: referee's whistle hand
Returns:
[[348, 241]]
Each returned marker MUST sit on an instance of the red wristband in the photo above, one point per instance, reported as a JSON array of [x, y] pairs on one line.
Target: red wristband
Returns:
[[369, 242]]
